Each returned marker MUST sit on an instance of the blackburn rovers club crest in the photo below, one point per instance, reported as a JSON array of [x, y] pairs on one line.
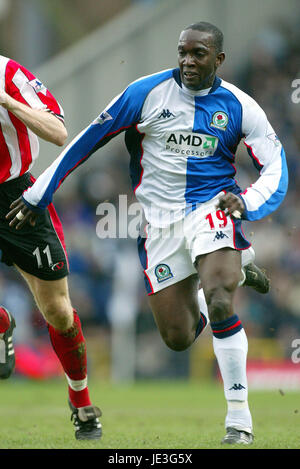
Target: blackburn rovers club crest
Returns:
[[219, 120], [163, 272]]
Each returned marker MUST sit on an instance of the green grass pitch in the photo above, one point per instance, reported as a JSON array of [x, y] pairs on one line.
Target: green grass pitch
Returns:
[[167, 415]]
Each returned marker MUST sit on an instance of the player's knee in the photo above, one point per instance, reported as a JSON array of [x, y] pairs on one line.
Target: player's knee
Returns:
[[177, 339], [59, 313], [219, 304]]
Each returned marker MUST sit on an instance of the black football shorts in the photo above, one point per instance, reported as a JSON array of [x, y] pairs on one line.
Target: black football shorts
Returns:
[[38, 250]]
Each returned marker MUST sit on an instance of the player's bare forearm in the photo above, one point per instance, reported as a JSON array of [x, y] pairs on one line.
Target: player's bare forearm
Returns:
[[20, 215], [44, 124], [231, 204]]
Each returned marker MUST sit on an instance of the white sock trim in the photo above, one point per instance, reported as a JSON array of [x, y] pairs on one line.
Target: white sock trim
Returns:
[[248, 256], [238, 416], [237, 405], [77, 385]]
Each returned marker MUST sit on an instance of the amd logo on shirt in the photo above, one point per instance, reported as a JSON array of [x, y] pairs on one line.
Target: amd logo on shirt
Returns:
[[191, 144]]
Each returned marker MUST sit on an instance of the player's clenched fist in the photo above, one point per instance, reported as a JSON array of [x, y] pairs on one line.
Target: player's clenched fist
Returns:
[[231, 204]]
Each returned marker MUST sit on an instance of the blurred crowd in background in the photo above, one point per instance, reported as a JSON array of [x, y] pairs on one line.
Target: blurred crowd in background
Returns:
[[274, 62]]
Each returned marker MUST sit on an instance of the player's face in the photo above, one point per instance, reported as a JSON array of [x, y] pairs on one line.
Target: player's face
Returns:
[[198, 59]]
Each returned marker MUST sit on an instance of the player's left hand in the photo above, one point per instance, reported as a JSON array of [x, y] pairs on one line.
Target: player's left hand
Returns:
[[20, 214], [231, 204]]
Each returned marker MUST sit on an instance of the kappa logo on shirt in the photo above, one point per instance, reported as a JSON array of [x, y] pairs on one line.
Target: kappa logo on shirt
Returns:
[[166, 114]]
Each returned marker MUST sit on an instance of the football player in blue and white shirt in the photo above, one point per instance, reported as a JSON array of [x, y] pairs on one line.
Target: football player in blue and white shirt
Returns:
[[182, 129]]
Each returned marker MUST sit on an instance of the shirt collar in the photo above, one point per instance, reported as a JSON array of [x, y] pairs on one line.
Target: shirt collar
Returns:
[[205, 92]]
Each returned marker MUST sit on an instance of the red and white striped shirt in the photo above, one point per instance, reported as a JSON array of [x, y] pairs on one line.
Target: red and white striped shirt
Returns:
[[19, 146]]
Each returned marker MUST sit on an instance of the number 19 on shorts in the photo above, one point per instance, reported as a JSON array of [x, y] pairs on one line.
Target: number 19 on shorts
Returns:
[[221, 221]]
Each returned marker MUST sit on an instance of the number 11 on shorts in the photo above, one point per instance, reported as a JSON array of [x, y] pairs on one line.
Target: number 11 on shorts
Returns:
[[38, 256]]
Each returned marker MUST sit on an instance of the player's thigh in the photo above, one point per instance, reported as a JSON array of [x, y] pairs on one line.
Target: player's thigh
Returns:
[[46, 291], [220, 273], [52, 298], [176, 312]]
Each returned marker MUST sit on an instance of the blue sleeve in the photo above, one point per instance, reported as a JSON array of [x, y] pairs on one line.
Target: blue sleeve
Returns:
[[122, 113]]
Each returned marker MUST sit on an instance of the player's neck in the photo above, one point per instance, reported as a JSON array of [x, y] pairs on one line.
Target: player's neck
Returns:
[[202, 92]]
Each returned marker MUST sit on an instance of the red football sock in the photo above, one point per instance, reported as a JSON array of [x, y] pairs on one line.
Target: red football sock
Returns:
[[79, 398], [70, 348], [4, 320]]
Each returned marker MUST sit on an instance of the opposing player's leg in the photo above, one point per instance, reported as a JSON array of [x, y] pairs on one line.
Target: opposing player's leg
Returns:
[[64, 326], [220, 273], [39, 254]]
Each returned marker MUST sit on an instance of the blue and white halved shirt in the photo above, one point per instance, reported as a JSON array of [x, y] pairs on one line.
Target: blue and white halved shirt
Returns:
[[182, 145]]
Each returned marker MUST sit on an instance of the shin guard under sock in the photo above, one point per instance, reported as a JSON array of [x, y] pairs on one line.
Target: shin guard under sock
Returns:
[[70, 349], [231, 347]]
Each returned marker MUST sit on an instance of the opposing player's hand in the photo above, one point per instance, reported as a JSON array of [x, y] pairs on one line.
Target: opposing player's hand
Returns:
[[231, 204], [20, 214]]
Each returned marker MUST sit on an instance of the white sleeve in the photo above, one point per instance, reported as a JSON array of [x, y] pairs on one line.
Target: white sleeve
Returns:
[[267, 153]]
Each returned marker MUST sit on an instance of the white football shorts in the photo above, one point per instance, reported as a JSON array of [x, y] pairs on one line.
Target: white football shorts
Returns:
[[168, 254]]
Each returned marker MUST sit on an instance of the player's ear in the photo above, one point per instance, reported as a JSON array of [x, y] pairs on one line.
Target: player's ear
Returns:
[[220, 59]]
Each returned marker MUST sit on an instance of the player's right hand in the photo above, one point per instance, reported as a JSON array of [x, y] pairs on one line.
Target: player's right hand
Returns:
[[231, 204], [20, 215]]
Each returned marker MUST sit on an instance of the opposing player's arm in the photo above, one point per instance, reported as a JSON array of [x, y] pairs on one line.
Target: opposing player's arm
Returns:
[[44, 124], [25, 96], [36, 198], [118, 116], [123, 112], [268, 156]]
